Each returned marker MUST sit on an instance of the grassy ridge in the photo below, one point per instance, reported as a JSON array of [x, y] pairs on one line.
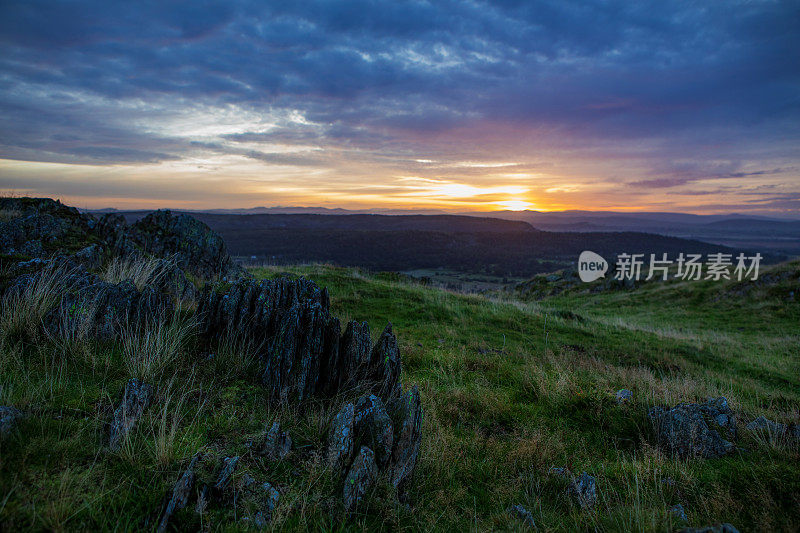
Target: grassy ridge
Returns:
[[510, 389]]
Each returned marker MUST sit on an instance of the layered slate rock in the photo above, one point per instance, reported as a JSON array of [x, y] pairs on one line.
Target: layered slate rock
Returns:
[[695, 429], [276, 444], [373, 427], [360, 478], [408, 437], [340, 438], [135, 399]]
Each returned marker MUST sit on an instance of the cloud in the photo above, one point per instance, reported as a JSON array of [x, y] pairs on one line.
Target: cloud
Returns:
[[367, 87]]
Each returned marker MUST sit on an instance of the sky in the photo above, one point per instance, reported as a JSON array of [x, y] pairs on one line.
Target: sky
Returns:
[[455, 105]]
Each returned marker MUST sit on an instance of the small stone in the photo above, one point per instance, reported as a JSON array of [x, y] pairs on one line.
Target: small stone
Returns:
[[8, 418], [518, 511], [560, 471], [623, 396], [226, 472], [359, 479], [135, 400], [277, 444], [180, 494], [583, 491], [678, 513]]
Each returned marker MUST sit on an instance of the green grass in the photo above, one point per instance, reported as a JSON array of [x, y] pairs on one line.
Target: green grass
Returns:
[[509, 388]]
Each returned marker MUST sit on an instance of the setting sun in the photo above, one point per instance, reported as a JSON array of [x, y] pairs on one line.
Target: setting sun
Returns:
[[516, 205]]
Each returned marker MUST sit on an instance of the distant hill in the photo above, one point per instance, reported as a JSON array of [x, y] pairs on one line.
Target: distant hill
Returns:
[[410, 242]]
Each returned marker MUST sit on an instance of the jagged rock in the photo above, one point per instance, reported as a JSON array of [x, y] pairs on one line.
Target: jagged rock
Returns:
[[359, 479], [135, 399], [518, 511], [678, 513], [385, 367], [373, 428], [716, 528], [180, 494], [583, 491], [408, 440], [277, 444], [691, 429], [225, 473], [623, 396], [196, 248], [763, 424], [8, 418], [355, 348], [340, 437], [104, 310]]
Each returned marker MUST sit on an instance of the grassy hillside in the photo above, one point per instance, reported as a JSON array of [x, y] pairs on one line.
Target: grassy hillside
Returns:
[[510, 389]]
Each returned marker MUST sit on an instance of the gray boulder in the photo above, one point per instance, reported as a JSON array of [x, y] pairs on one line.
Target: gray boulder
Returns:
[[691, 429]]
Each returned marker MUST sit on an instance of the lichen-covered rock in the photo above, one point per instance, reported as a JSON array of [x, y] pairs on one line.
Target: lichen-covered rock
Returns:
[[355, 348], [8, 418], [373, 428], [583, 491], [196, 248], [359, 479], [691, 429], [276, 444], [408, 439], [520, 512], [269, 497], [716, 528], [340, 438], [135, 399], [180, 494]]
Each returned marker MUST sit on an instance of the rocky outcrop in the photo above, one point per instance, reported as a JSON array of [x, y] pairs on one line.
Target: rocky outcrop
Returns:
[[373, 427], [340, 438], [196, 248], [692, 429], [135, 399]]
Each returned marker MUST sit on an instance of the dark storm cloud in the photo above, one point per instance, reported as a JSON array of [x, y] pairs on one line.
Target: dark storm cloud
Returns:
[[390, 76]]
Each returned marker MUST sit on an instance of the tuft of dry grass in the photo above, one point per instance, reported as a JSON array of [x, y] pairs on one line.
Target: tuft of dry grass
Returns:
[[142, 271], [25, 308], [148, 350]]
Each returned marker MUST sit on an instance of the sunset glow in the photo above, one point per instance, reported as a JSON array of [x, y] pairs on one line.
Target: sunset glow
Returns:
[[530, 112]]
